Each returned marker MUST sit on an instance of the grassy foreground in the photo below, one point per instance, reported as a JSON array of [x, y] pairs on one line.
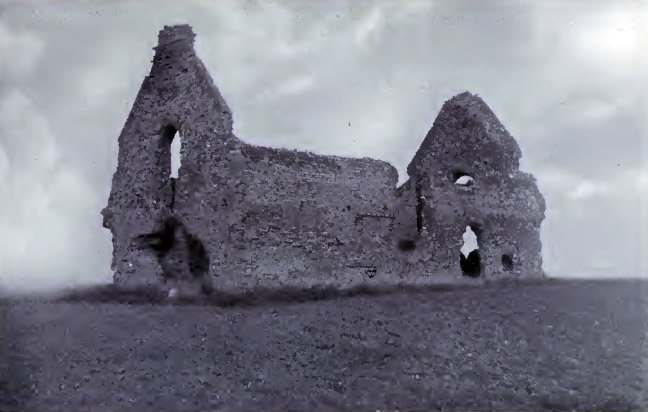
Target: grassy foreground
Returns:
[[553, 345]]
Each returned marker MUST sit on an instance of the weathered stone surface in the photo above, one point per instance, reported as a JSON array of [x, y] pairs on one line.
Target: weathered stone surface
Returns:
[[241, 216]]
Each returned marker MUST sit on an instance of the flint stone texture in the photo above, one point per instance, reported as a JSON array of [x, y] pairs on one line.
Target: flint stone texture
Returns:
[[240, 216]]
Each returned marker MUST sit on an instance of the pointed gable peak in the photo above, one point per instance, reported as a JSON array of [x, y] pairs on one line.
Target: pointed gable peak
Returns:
[[464, 129], [464, 96], [466, 100]]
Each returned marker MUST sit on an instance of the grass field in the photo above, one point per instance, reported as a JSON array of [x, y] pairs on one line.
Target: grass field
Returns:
[[553, 345]]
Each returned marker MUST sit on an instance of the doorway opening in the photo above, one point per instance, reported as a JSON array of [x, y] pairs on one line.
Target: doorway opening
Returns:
[[469, 259], [168, 160], [507, 263]]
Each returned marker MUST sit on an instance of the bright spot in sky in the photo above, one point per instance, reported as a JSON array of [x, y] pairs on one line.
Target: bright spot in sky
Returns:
[[611, 40], [586, 189]]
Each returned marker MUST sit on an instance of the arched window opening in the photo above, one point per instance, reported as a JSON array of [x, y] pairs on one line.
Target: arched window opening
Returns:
[[168, 156], [175, 155], [168, 159], [462, 179], [507, 263], [469, 259]]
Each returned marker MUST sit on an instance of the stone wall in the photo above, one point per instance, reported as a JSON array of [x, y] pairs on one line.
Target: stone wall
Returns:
[[241, 216]]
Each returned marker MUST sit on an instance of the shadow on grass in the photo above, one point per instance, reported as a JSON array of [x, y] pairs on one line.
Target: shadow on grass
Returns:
[[15, 383], [263, 296]]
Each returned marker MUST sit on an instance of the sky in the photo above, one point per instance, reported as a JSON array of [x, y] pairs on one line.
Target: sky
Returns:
[[349, 78]]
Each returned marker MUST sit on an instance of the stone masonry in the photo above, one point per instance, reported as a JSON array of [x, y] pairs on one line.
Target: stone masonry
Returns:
[[240, 217]]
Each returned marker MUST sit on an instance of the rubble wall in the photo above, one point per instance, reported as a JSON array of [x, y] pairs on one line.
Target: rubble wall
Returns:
[[240, 216]]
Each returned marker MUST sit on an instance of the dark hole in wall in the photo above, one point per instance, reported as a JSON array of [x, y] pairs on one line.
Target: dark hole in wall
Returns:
[[167, 134], [471, 265], [172, 182], [419, 206], [477, 230], [406, 245], [507, 262]]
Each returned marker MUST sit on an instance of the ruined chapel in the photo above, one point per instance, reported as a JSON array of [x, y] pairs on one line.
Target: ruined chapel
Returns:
[[240, 216]]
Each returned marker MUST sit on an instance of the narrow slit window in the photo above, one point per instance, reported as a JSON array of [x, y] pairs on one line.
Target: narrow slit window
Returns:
[[175, 155]]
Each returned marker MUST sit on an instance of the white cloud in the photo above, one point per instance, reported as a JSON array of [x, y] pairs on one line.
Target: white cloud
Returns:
[[19, 52], [25, 135], [557, 181], [587, 189], [47, 213], [612, 35], [368, 26], [593, 226], [293, 86], [296, 78]]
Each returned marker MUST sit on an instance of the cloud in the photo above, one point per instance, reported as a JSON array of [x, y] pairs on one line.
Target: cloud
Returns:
[[296, 75], [587, 189], [368, 26], [4, 165], [595, 227], [293, 86], [612, 35], [46, 217], [20, 51], [25, 135]]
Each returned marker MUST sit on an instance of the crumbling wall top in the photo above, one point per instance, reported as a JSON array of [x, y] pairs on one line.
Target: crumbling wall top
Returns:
[[178, 32]]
